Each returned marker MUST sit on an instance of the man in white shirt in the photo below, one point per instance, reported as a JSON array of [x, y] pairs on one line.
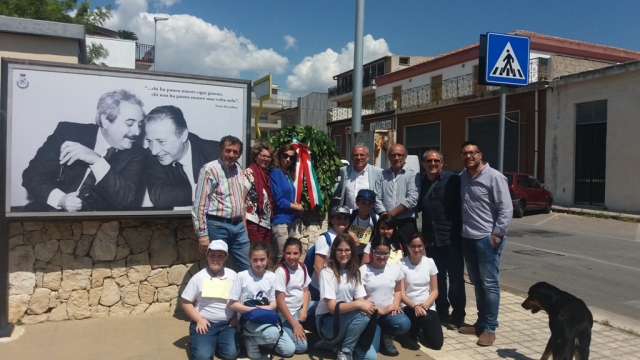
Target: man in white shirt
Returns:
[[176, 156], [357, 176]]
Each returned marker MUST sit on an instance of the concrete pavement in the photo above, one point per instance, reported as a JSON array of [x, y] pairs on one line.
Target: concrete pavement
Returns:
[[521, 335]]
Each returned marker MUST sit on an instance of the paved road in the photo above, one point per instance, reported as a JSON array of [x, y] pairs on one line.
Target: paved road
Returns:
[[597, 260]]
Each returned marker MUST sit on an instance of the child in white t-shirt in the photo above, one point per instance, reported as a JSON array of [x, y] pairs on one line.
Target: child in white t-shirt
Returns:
[[292, 293], [388, 226], [204, 300], [420, 294], [257, 283]]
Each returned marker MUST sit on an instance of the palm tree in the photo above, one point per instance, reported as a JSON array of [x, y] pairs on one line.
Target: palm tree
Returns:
[[127, 35]]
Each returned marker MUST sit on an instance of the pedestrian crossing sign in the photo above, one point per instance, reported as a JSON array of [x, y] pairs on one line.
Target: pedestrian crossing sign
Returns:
[[507, 60]]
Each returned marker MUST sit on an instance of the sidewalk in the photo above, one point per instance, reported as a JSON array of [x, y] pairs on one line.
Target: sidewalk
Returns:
[[594, 211], [521, 336]]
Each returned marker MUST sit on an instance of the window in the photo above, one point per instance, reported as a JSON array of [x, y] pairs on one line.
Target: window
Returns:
[[337, 140], [534, 183], [405, 61], [525, 182], [436, 88], [484, 131], [274, 91], [421, 138]]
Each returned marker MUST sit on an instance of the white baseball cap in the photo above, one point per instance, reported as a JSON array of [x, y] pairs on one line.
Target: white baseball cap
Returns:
[[219, 245]]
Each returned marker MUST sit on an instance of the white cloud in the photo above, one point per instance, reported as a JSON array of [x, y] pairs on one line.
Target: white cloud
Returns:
[[166, 3], [291, 42], [315, 73], [188, 44]]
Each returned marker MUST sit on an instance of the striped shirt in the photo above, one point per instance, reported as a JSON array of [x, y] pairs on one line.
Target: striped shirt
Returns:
[[219, 192]]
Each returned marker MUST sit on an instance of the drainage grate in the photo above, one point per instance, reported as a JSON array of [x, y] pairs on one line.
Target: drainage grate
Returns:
[[536, 253]]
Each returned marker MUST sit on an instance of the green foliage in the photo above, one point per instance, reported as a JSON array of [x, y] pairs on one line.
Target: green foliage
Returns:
[[58, 11], [324, 157], [127, 35], [95, 53]]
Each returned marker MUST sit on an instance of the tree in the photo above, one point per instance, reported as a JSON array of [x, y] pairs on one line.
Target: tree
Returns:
[[127, 35], [58, 11], [95, 53], [324, 157]]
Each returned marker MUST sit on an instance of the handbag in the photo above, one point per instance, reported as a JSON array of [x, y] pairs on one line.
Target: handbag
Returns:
[[336, 324], [259, 315], [366, 337]]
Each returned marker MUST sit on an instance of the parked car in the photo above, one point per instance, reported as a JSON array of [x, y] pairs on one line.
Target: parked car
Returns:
[[528, 194]]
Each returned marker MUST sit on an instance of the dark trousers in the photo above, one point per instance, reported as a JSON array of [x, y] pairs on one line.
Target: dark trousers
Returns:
[[430, 326], [450, 263], [406, 228]]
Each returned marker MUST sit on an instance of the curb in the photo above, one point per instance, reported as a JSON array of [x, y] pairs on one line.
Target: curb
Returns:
[[597, 213]]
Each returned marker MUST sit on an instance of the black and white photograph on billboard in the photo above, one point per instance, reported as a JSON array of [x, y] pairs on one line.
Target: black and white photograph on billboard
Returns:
[[105, 141]]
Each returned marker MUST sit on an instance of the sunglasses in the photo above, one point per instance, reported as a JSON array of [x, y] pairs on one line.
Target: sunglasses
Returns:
[[286, 156]]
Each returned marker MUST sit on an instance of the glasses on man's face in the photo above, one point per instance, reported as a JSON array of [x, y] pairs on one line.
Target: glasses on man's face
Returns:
[[471, 153], [396, 155], [286, 156], [416, 247], [433, 161], [343, 251], [381, 253]]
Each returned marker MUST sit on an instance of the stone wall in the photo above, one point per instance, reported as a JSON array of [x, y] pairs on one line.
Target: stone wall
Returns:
[[92, 269]]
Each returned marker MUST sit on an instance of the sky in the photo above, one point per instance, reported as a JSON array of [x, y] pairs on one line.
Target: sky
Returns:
[[304, 43]]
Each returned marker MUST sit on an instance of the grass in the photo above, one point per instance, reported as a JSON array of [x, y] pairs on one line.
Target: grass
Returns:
[[19, 322], [631, 331]]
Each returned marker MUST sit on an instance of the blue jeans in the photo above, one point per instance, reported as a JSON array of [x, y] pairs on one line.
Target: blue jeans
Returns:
[[236, 238], [352, 324], [394, 325], [301, 346], [483, 267], [220, 337], [267, 334]]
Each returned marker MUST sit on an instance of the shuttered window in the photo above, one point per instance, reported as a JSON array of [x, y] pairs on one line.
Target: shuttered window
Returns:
[[591, 112], [484, 131], [421, 138]]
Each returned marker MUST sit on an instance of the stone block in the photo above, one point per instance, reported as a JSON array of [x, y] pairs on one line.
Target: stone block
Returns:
[[76, 272], [53, 300], [76, 231], [138, 267], [45, 251], [138, 239], [166, 294], [118, 268], [39, 265], [90, 227], [139, 309], [100, 271], [18, 305], [21, 258], [188, 251], [52, 277], [58, 230], [32, 226], [146, 293], [59, 313], [122, 252], [56, 259], [105, 244], [163, 249], [39, 302], [39, 275], [67, 246], [158, 308], [78, 305], [121, 240], [15, 228], [16, 241], [158, 278], [129, 294], [34, 319], [123, 280], [94, 296], [99, 312], [120, 309], [84, 245], [177, 275], [110, 293]]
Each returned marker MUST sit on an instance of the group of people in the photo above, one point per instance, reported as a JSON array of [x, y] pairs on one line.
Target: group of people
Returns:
[[366, 279]]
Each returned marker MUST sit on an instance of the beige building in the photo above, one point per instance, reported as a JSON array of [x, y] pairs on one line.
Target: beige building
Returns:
[[593, 124]]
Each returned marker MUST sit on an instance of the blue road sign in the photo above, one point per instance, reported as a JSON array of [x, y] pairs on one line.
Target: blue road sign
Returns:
[[507, 60]]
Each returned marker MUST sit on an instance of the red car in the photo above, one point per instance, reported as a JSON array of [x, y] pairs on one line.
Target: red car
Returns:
[[527, 194]]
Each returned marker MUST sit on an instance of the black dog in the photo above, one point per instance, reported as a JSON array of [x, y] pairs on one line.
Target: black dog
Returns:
[[569, 319]]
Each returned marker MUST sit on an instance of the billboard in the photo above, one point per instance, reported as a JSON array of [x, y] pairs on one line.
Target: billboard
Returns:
[[96, 141]]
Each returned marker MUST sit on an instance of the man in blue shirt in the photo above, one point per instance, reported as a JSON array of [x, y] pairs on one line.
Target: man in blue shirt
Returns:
[[486, 213]]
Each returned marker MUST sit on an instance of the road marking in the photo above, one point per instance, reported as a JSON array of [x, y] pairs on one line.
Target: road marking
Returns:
[[553, 217], [634, 303], [638, 233], [577, 256]]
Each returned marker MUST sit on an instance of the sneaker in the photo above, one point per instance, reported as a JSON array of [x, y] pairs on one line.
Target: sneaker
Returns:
[[388, 347], [253, 349], [452, 326], [474, 329], [486, 339], [344, 356]]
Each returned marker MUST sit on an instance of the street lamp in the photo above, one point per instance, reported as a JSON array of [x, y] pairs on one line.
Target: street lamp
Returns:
[[155, 31]]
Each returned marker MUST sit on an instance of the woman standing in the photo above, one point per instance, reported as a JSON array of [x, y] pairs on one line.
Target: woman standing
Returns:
[[258, 201], [382, 281], [421, 292], [284, 195]]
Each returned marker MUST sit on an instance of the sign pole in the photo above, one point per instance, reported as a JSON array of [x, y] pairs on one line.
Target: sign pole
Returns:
[[503, 104], [356, 113]]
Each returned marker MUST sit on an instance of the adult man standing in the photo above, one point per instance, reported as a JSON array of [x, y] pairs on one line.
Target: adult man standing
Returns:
[[486, 214], [357, 176], [90, 167], [218, 206], [441, 225], [397, 190], [177, 157]]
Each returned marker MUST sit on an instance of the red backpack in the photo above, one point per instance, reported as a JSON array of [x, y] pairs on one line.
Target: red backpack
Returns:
[[287, 276]]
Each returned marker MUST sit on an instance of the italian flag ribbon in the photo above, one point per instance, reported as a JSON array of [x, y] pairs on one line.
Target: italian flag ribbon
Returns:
[[305, 171]]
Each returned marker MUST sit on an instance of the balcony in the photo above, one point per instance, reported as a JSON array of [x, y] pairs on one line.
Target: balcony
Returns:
[[338, 90], [271, 103], [457, 88], [145, 56]]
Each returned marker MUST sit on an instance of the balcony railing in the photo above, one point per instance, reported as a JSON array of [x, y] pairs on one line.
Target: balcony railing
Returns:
[[454, 88], [346, 89], [146, 53]]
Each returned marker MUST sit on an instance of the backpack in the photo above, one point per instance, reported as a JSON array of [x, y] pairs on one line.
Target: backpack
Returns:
[[287, 276], [310, 259]]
